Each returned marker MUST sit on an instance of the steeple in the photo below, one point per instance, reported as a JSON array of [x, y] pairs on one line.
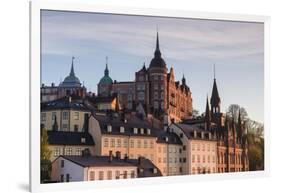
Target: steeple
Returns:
[[207, 115], [106, 71], [183, 80], [72, 68], [157, 52], [215, 98]]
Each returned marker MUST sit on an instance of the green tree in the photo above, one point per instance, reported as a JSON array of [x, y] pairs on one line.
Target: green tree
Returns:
[[45, 155], [255, 152]]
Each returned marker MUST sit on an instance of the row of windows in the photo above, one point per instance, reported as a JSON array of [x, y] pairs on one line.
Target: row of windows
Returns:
[[113, 142], [203, 147], [203, 158], [171, 149], [65, 116], [203, 170], [68, 151], [100, 175]]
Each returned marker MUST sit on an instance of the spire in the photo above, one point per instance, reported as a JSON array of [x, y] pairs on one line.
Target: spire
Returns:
[[183, 80], [215, 98], [72, 68], [106, 71], [157, 52], [207, 114]]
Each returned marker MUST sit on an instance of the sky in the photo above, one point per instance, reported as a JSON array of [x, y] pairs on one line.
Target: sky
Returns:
[[190, 46]]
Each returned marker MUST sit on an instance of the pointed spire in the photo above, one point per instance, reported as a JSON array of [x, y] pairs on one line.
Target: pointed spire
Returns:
[[183, 80], [215, 98], [72, 67], [207, 114], [106, 71], [55, 125], [157, 52]]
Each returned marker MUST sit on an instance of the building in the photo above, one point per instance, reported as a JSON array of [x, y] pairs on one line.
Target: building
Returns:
[[70, 86], [232, 145], [199, 154], [154, 87], [69, 143], [90, 168]]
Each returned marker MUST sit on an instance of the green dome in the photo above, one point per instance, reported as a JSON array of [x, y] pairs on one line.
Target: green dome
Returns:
[[106, 80]]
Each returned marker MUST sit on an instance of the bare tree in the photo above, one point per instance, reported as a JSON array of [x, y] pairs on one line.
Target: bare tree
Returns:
[[233, 112]]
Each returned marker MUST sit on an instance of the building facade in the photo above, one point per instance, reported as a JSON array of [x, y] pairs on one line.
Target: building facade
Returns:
[[155, 88]]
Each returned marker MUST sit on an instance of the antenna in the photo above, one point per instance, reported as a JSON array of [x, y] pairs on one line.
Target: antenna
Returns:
[[214, 71]]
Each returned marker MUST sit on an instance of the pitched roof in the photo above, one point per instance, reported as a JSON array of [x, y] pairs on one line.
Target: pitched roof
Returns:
[[168, 137], [64, 103], [116, 121], [69, 138]]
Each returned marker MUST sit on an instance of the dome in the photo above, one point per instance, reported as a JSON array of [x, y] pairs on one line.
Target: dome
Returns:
[[157, 62], [71, 80], [106, 80]]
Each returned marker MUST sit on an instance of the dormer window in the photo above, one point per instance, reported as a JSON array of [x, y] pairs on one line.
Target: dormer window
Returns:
[[166, 139], [109, 128], [141, 130], [135, 130], [154, 170], [122, 129], [83, 140], [148, 131], [202, 135]]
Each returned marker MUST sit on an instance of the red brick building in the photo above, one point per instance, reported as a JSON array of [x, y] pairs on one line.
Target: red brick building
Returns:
[[155, 88]]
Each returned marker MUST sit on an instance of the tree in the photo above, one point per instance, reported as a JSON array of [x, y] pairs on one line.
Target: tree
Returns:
[[233, 113], [45, 155], [195, 113], [255, 152], [254, 127]]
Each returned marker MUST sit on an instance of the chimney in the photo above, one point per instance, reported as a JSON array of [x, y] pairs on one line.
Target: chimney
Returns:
[[110, 156], [86, 123]]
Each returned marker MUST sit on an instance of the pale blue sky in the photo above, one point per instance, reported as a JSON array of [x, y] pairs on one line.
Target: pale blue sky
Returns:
[[191, 46]]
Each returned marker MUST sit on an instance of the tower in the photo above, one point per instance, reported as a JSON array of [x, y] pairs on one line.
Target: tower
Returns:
[[207, 115], [157, 73], [105, 83]]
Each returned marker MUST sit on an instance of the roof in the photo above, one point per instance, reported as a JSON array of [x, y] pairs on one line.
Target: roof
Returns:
[[157, 61], [69, 138], [106, 78], [168, 137], [188, 130], [104, 99], [215, 98], [65, 103], [145, 167], [71, 80], [88, 161], [116, 121]]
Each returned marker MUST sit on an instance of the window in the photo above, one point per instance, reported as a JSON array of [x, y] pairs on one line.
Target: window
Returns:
[[184, 148], [68, 151], [112, 142], [125, 143], [54, 114], [125, 174], [132, 174], [92, 175], [132, 143], [141, 96], [109, 175], [109, 128], [100, 175], [76, 115], [151, 144], [164, 160], [75, 128], [155, 77], [67, 177], [62, 163], [203, 158], [198, 147], [184, 160], [208, 159], [162, 105], [65, 115], [122, 129], [162, 87], [214, 159], [135, 130], [118, 142], [43, 116], [83, 140], [65, 127], [193, 158], [159, 159], [78, 151], [155, 104], [145, 143], [56, 152], [198, 158], [117, 174], [162, 95], [105, 142], [155, 95], [139, 143], [62, 178]]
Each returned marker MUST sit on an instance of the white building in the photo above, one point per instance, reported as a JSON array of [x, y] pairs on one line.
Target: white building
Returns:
[[199, 153]]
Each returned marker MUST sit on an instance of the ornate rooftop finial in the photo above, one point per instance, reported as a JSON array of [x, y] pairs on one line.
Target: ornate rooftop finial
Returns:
[[157, 52]]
